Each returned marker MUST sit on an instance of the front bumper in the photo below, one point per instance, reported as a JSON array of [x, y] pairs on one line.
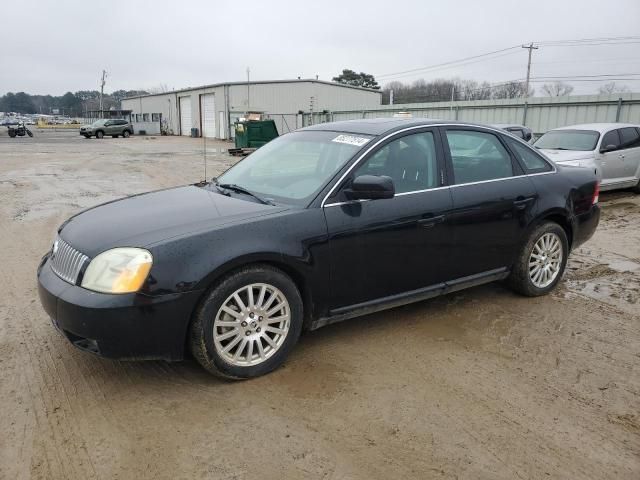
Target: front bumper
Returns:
[[86, 132], [129, 326]]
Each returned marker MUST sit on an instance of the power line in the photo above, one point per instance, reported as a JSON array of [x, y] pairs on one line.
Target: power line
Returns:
[[448, 63], [511, 50]]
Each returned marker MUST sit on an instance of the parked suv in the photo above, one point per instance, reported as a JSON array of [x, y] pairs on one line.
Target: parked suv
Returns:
[[611, 149], [112, 127]]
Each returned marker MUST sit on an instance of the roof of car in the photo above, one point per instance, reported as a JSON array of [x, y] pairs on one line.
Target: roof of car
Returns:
[[598, 127], [379, 126]]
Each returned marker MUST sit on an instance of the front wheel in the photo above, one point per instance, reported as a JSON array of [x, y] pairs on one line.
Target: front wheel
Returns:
[[99, 134], [540, 265], [12, 134], [636, 189], [248, 323]]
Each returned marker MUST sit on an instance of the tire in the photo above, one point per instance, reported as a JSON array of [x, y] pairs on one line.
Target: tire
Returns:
[[212, 328], [636, 189], [29, 133], [126, 134], [531, 279], [12, 134], [99, 134], [87, 136]]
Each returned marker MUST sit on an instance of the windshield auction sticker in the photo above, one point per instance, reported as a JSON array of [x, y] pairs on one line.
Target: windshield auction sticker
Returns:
[[351, 140]]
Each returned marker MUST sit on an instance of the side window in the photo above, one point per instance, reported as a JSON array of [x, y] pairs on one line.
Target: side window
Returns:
[[610, 138], [517, 132], [410, 161], [478, 156], [629, 138], [145, 117], [529, 158]]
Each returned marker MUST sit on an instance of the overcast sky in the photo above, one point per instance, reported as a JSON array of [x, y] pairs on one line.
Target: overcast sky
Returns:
[[58, 46]]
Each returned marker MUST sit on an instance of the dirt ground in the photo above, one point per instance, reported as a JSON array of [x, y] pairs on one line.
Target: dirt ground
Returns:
[[481, 384]]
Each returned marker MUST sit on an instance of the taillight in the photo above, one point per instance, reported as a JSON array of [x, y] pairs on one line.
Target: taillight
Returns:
[[596, 193]]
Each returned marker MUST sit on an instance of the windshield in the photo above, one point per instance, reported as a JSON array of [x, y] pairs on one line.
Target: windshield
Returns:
[[580, 140], [98, 123], [295, 167]]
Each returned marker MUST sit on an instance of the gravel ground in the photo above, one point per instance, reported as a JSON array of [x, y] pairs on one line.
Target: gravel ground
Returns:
[[480, 384]]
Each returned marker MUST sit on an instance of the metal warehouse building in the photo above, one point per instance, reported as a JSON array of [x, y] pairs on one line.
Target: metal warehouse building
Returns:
[[213, 109]]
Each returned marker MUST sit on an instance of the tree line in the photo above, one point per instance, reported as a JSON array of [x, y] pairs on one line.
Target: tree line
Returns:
[[443, 89], [71, 104]]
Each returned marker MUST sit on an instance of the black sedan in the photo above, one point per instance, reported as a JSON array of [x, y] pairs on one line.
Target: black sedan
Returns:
[[320, 225]]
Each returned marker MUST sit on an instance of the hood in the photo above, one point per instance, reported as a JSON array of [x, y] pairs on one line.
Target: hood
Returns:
[[148, 218], [566, 155]]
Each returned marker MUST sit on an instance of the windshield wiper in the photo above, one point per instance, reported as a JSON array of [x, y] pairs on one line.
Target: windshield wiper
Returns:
[[238, 188]]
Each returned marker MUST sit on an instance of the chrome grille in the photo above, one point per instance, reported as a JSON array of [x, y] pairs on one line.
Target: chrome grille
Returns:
[[66, 261]]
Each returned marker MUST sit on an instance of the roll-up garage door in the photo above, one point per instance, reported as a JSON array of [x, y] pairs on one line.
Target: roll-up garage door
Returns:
[[185, 116], [208, 115]]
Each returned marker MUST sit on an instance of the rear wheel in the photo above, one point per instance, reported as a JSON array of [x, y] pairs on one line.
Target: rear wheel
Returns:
[[542, 261], [126, 134], [99, 134], [248, 323]]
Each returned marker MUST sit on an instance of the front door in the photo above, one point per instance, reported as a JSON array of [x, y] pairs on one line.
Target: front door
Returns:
[[630, 151], [381, 248], [611, 161], [491, 201]]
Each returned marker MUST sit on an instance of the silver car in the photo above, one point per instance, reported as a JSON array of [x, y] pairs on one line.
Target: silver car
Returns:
[[611, 149]]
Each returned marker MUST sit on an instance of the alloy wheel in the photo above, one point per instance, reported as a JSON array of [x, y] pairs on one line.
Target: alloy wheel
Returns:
[[545, 260], [251, 325]]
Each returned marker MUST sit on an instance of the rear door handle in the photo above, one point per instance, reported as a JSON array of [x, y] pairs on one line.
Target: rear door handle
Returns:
[[522, 203], [431, 221]]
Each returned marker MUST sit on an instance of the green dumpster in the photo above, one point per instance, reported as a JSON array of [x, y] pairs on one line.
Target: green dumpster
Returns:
[[255, 133]]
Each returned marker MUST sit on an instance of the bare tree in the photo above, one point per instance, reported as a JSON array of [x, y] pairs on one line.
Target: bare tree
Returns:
[[557, 89], [612, 87], [511, 89], [161, 88]]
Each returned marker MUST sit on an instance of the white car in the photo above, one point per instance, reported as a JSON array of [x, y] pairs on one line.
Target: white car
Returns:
[[611, 149]]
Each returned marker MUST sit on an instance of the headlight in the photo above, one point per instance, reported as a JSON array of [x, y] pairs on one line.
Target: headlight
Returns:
[[119, 270]]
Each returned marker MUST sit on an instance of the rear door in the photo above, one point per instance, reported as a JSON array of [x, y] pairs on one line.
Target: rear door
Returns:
[[492, 200]]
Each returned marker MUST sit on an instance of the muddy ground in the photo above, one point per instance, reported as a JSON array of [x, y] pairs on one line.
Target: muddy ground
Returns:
[[481, 384]]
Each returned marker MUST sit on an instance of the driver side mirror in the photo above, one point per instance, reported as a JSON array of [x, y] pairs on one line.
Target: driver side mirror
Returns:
[[608, 148], [371, 187]]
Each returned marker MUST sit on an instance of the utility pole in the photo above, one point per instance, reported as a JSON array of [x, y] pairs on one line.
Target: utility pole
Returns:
[[531, 48], [102, 82]]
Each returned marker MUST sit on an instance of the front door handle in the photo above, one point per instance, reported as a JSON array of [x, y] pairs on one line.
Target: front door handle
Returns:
[[431, 221], [522, 203], [621, 156]]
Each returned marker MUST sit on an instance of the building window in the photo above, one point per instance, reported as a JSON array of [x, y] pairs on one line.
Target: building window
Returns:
[[156, 117], [138, 117], [145, 117]]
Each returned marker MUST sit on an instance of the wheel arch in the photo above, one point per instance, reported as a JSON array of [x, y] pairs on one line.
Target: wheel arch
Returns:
[[232, 266], [562, 218]]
